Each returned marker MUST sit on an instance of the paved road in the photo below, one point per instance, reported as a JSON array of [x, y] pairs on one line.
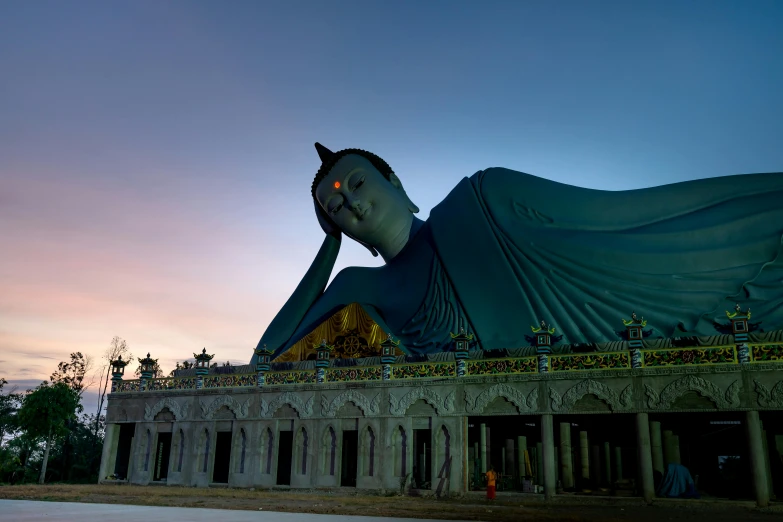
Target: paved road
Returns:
[[34, 511]]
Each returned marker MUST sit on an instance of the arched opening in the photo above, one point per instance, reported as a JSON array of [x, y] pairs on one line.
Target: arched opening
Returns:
[[400, 451], [147, 453], [443, 460], [267, 451], [329, 452], [243, 446], [205, 446], [301, 452], [367, 453], [181, 450]]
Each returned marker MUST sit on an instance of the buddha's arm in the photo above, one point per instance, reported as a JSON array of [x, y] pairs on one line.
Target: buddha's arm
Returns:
[[310, 288]]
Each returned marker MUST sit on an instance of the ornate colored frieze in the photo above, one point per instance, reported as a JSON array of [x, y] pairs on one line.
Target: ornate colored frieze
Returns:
[[171, 383], [295, 377], [503, 366], [354, 373], [230, 381], [128, 386], [426, 370], [690, 356], [766, 352], [592, 361]]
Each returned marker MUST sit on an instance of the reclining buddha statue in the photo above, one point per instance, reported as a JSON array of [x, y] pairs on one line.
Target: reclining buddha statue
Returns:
[[505, 249]]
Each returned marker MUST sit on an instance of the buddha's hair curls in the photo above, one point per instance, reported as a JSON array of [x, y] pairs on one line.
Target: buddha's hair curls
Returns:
[[376, 161]]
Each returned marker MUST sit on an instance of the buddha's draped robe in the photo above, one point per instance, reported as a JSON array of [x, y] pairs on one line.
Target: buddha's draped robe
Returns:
[[505, 250]]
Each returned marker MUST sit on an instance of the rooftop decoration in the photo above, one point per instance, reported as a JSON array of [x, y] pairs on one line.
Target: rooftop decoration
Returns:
[[544, 338], [147, 367], [202, 362]]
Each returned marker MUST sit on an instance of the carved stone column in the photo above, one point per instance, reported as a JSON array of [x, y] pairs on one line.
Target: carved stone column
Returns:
[[656, 446], [645, 457], [548, 449], [521, 449], [758, 460], [566, 467], [584, 457]]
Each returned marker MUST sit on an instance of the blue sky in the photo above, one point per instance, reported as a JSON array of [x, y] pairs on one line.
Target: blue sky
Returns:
[[156, 156]]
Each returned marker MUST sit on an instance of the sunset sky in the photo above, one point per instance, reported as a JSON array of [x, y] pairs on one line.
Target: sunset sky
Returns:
[[156, 156]]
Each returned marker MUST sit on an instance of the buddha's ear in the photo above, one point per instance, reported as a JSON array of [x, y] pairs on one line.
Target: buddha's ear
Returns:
[[396, 183]]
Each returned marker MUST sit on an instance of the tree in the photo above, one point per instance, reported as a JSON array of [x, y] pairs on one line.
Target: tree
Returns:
[[44, 414], [72, 373], [117, 347], [9, 404], [186, 365]]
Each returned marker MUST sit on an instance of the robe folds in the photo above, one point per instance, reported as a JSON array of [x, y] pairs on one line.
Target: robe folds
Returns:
[[505, 250]]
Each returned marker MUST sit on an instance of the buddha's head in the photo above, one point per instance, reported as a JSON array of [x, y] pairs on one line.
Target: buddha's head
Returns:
[[358, 192]]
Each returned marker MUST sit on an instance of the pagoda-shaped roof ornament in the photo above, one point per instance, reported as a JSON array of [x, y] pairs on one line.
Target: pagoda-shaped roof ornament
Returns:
[[738, 313], [635, 321], [543, 328]]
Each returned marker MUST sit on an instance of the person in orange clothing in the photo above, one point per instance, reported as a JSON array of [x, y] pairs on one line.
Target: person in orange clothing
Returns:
[[491, 481]]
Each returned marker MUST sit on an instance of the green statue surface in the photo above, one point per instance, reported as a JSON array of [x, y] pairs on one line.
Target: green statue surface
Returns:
[[506, 249]]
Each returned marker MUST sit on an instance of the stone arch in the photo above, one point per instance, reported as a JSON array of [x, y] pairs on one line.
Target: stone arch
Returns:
[[586, 387], [691, 383], [164, 415], [240, 410], [368, 407], [179, 412], [477, 404], [302, 408], [441, 405]]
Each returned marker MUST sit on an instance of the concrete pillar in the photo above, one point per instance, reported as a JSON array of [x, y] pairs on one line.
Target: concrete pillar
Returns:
[[595, 464], [607, 463], [502, 460], [548, 447], [645, 457], [767, 465], [758, 464], [618, 463], [483, 448], [109, 457], [656, 446], [566, 469], [521, 451], [488, 441], [584, 455], [676, 449], [471, 462], [510, 459], [539, 464], [668, 448]]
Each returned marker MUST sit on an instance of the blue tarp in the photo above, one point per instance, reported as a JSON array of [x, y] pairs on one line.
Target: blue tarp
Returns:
[[677, 483]]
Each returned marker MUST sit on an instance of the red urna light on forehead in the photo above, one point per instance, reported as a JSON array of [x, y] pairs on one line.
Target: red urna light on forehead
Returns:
[[336, 184]]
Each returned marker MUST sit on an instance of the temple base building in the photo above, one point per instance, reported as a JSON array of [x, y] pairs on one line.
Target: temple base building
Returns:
[[353, 412]]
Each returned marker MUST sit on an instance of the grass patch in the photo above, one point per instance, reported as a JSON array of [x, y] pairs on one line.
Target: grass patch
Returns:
[[341, 502]]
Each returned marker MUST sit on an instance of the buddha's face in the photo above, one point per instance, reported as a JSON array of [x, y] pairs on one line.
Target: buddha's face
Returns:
[[362, 202]]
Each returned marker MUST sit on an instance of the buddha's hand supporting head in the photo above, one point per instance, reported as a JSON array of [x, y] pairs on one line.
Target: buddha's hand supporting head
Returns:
[[357, 193], [327, 225]]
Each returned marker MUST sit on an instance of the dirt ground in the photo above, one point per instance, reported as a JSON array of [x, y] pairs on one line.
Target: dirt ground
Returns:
[[510, 508]]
